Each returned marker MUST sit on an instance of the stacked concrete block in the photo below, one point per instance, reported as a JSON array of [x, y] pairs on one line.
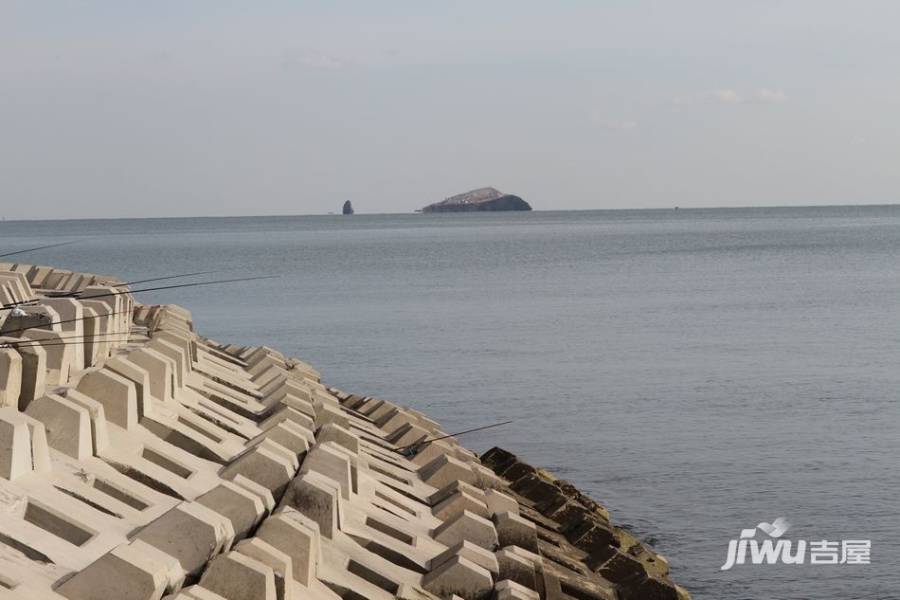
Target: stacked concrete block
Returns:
[[24, 374], [10, 377], [148, 462], [14, 287]]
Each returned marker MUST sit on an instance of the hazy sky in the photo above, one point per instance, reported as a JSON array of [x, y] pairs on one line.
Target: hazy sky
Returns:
[[169, 108]]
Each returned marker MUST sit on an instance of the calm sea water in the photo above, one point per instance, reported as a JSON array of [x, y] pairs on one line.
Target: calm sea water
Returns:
[[698, 371]]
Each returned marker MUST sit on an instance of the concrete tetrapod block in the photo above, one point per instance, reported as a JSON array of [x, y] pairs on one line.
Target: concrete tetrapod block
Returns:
[[240, 506], [467, 526], [368, 404], [139, 376], [92, 326], [263, 493], [484, 477], [264, 466], [99, 431], [70, 309], [128, 572], [191, 533], [100, 324], [510, 590], [263, 375], [498, 502], [34, 373], [432, 451], [516, 567], [181, 340], [444, 470], [16, 286], [176, 356], [292, 458], [390, 420], [68, 425], [288, 393], [333, 464], [459, 576], [326, 413], [15, 445], [236, 576], [318, 498], [332, 432], [478, 555], [513, 530], [280, 387], [160, 368], [297, 537], [452, 488], [197, 592], [301, 430], [60, 356], [458, 502], [408, 434], [408, 591], [285, 435], [381, 413], [116, 393], [10, 377], [40, 451], [275, 559], [288, 413]]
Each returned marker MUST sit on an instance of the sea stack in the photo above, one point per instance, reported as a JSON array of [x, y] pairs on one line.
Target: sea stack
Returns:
[[482, 199], [143, 460], [348, 208]]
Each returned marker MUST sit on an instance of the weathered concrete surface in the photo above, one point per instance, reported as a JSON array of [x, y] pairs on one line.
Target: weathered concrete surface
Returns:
[[171, 466]]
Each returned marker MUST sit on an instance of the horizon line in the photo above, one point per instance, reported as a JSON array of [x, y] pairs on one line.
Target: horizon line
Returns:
[[439, 214]]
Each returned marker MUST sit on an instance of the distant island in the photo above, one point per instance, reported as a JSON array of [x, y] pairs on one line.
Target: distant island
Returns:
[[482, 199]]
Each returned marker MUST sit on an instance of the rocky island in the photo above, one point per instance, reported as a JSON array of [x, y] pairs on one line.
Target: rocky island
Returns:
[[140, 460], [482, 199]]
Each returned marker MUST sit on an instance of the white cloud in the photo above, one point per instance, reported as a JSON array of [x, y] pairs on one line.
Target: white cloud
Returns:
[[770, 96], [724, 96], [733, 97]]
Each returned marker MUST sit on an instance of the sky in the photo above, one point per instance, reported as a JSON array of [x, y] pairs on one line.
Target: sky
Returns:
[[208, 108]]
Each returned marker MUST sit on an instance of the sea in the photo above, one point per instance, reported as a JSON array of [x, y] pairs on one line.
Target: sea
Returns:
[[696, 371]]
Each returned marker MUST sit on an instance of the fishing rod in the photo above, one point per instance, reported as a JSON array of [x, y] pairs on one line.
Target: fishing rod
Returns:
[[127, 283], [413, 449], [14, 345], [60, 322], [35, 249], [164, 278], [151, 289], [65, 337]]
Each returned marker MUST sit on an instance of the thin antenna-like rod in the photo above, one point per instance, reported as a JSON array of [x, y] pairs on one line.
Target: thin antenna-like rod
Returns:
[[127, 283], [15, 345], [449, 435], [164, 278], [35, 249], [152, 289], [40, 326], [64, 337]]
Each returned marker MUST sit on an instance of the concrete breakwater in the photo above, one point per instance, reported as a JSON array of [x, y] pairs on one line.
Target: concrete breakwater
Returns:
[[140, 460]]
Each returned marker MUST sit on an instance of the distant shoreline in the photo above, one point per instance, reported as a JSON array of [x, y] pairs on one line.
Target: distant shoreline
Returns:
[[474, 214]]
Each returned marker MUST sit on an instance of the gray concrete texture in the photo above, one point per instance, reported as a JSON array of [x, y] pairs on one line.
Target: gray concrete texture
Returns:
[[140, 460]]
